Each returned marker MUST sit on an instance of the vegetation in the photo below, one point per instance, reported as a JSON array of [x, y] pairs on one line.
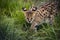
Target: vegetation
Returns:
[[14, 27]]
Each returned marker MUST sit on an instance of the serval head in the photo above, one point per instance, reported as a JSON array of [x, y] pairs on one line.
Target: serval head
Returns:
[[29, 14]]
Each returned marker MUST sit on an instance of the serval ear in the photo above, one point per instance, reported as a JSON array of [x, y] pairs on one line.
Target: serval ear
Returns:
[[24, 9], [34, 8]]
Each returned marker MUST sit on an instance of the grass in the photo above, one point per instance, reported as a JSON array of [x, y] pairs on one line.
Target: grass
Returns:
[[14, 27]]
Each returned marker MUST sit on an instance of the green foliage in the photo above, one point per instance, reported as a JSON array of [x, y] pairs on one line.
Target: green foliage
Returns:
[[14, 27]]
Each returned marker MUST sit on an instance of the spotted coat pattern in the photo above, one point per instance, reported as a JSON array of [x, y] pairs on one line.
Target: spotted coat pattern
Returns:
[[44, 14]]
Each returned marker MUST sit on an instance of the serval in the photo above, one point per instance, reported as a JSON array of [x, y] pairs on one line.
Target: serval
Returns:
[[44, 14]]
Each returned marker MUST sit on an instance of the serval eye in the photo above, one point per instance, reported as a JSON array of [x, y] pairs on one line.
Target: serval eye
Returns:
[[24, 9], [27, 18]]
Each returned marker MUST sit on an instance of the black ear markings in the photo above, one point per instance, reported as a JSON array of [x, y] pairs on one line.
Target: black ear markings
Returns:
[[24, 9], [34, 8]]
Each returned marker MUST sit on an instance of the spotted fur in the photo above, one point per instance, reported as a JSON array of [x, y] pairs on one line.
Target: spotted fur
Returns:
[[44, 14]]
